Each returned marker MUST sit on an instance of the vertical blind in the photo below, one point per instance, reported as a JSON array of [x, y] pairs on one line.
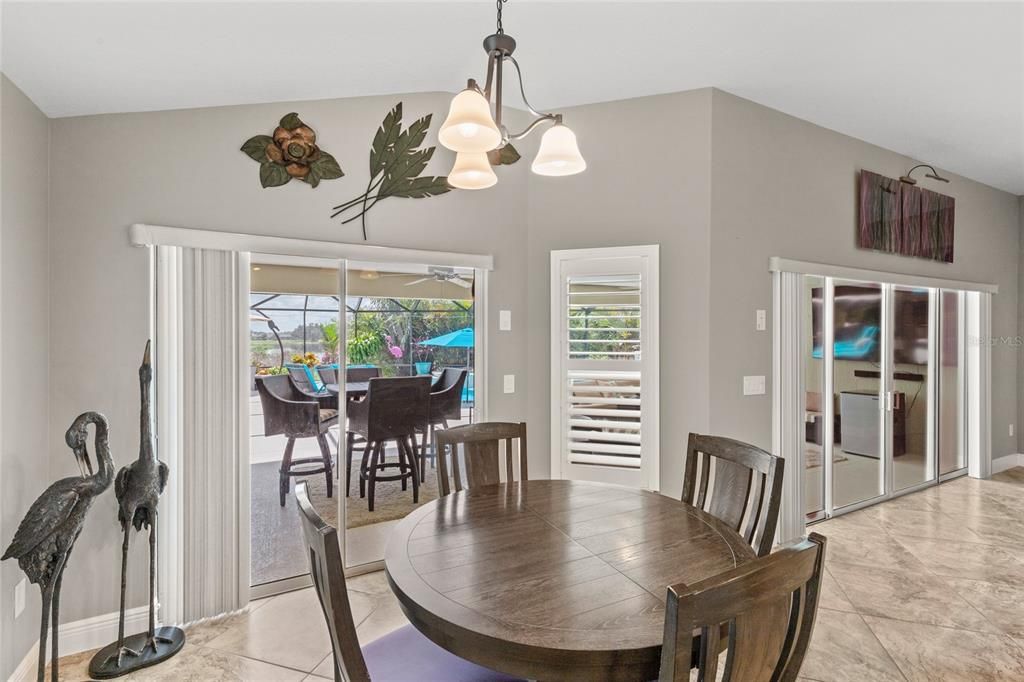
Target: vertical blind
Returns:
[[202, 428]]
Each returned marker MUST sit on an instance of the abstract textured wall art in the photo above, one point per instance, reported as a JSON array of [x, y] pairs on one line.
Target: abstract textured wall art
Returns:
[[904, 219]]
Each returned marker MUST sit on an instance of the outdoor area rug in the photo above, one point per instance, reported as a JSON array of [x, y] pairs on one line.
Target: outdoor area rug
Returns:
[[276, 532]]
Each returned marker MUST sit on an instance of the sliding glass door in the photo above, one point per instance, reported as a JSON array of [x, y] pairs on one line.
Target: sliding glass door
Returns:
[[888, 360], [858, 391]]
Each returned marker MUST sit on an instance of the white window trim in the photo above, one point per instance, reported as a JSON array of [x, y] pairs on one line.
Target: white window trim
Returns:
[[651, 333], [777, 264], [143, 235]]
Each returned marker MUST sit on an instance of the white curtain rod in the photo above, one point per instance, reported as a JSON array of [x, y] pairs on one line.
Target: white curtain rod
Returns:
[[142, 234]]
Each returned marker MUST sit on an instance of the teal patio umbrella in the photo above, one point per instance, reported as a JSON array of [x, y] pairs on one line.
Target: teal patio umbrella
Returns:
[[461, 338]]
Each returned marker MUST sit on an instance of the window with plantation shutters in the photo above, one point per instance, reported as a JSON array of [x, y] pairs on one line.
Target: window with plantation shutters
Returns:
[[604, 365]]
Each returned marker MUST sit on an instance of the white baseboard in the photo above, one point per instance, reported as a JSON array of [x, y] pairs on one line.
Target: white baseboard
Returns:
[[1007, 462], [26, 670], [83, 635]]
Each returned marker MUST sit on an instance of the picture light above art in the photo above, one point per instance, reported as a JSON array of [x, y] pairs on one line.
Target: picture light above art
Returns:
[[897, 216]]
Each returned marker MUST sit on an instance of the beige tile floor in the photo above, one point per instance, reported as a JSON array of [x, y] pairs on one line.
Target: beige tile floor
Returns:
[[925, 587]]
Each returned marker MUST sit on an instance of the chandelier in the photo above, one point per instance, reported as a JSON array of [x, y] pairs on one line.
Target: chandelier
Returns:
[[477, 136]]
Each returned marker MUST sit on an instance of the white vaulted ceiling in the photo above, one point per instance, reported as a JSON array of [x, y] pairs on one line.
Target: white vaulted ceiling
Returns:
[[942, 82]]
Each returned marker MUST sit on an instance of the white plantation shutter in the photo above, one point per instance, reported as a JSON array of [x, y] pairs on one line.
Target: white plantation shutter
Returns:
[[604, 362]]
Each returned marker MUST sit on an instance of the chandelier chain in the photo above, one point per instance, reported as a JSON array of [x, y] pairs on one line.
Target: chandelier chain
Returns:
[[501, 29]]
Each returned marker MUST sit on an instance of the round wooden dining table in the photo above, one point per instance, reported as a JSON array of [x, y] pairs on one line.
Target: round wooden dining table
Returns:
[[553, 580]]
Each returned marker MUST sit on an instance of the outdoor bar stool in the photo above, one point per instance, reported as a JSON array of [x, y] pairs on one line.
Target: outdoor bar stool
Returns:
[[394, 409], [288, 412], [445, 404]]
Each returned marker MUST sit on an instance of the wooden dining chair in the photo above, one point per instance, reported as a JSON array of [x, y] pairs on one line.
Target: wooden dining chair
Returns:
[[745, 486], [764, 611], [480, 452], [404, 654]]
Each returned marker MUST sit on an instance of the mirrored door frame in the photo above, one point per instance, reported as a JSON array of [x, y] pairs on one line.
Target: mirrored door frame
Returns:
[[788, 409], [887, 401]]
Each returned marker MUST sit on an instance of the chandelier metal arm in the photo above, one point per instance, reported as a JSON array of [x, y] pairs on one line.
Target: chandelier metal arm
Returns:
[[522, 90], [494, 68], [557, 118]]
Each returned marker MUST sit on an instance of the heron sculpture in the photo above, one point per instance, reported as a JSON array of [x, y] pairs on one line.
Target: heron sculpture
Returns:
[[138, 487], [48, 532]]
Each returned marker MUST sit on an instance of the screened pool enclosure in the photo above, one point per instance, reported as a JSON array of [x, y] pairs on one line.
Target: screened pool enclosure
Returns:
[[385, 332]]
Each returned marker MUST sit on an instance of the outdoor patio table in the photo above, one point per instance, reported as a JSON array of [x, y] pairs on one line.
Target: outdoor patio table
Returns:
[[553, 580], [353, 389]]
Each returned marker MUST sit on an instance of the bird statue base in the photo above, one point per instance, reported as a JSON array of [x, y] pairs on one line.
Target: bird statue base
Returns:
[[138, 653]]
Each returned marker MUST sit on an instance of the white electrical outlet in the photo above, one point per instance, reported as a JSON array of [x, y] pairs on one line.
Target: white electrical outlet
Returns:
[[761, 320], [505, 320], [19, 597], [753, 385], [1011, 429], [510, 383]]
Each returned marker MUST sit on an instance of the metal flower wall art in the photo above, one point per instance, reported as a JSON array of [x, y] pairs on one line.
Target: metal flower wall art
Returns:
[[396, 162], [291, 152]]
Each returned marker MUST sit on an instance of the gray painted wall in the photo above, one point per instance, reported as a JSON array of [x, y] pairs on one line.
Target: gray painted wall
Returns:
[[24, 297], [781, 186], [183, 168]]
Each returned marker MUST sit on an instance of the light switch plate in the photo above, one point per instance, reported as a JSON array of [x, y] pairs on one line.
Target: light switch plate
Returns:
[[761, 320], [1011, 429], [19, 597], [753, 385], [510, 383], [505, 320]]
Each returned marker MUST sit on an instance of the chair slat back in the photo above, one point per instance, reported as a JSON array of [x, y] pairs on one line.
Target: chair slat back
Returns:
[[738, 483], [328, 573], [397, 406], [767, 607], [446, 399], [481, 452], [328, 375]]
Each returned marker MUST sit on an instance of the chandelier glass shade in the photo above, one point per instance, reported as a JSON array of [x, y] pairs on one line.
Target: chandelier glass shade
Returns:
[[474, 126], [558, 153], [469, 126], [472, 170]]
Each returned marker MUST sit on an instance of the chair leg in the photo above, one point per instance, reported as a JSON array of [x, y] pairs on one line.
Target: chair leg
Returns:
[[284, 480], [325, 451], [374, 463], [412, 460], [403, 465], [350, 441], [423, 451], [364, 471]]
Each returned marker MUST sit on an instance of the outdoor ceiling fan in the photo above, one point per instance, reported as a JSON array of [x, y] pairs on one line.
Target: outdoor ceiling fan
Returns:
[[439, 274], [435, 274]]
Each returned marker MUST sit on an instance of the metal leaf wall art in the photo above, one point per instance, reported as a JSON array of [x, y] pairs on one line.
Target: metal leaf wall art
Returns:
[[291, 152], [396, 162]]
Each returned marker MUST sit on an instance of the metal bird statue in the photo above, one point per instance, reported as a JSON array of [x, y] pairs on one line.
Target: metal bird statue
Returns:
[[47, 534], [138, 487]]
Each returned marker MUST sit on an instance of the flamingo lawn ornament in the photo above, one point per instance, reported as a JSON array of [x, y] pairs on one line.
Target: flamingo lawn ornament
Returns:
[[138, 487], [47, 534]]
